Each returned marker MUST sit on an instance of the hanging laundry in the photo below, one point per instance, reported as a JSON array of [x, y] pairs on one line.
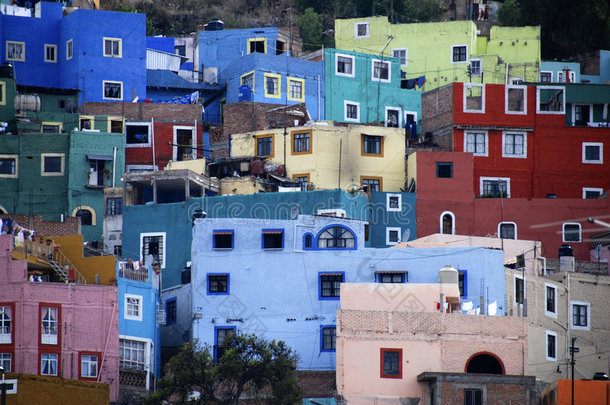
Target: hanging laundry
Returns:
[[411, 83], [413, 130], [420, 81]]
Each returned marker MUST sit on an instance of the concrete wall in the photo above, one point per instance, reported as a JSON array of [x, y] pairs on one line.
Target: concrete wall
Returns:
[[175, 334], [90, 267]]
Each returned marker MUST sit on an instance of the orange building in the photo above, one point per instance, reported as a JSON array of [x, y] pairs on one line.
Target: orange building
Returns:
[[586, 392]]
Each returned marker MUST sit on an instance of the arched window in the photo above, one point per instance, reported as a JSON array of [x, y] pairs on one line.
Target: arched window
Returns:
[[308, 241], [85, 214], [3, 210], [336, 237], [447, 223], [484, 363]]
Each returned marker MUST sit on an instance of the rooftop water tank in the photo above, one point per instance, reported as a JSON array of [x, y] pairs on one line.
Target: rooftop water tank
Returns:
[[215, 25], [245, 93], [448, 274]]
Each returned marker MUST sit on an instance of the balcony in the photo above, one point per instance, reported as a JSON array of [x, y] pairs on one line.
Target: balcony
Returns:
[[133, 271], [132, 377]]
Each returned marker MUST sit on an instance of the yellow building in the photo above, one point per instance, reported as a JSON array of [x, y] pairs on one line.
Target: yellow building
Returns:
[[330, 157]]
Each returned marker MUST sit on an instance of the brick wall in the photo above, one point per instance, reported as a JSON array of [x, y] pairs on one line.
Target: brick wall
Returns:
[[145, 111], [437, 115], [70, 226]]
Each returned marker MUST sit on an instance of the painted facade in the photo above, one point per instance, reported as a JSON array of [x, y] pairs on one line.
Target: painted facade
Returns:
[[363, 88], [560, 392], [332, 156], [507, 54], [559, 72]]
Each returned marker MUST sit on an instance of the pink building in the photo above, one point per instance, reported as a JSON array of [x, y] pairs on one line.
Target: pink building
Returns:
[[400, 343], [67, 330]]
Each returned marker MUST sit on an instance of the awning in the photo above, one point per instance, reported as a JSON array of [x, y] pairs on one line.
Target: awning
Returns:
[[97, 156], [282, 179], [273, 232], [331, 274], [223, 232], [390, 272]]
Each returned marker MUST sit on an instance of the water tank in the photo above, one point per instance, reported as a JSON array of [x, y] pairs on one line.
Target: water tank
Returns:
[[6, 70], [566, 258], [448, 274], [215, 25], [27, 102], [245, 93]]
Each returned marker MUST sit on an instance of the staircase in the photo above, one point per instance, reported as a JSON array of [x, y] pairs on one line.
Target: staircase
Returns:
[[61, 272]]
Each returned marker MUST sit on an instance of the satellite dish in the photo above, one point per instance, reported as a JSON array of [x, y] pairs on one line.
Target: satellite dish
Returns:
[[294, 212], [352, 187], [406, 235]]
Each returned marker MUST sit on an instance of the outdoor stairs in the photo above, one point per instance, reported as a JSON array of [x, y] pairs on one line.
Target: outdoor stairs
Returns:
[[59, 269]]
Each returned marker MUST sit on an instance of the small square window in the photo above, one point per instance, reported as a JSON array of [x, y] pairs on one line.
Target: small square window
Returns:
[[394, 202], [113, 90], [296, 89], [273, 238], [372, 183], [507, 230], [475, 142], [444, 170], [516, 100], [218, 284], [248, 80], [392, 235], [495, 187], [550, 100], [402, 55], [546, 77], [391, 277], [475, 68], [52, 164], [133, 307], [8, 165], [49, 128], [551, 346], [550, 295], [301, 142], [153, 244], [48, 363], [344, 65], [571, 232], [372, 145], [114, 206], [514, 145], [6, 360], [519, 290], [171, 313], [592, 192], [474, 98], [473, 396], [330, 285], [258, 45], [264, 145], [592, 152], [116, 126], [222, 239], [272, 85], [50, 53], [361, 30], [392, 117], [459, 54], [113, 47], [89, 365], [580, 315], [328, 338], [381, 71], [352, 111], [15, 51], [137, 135], [391, 363]]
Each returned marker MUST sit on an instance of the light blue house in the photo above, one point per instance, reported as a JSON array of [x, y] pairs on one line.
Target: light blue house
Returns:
[[363, 88], [281, 278], [559, 72]]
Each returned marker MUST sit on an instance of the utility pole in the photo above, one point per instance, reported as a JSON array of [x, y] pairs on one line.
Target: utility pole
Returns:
[[572, 362]]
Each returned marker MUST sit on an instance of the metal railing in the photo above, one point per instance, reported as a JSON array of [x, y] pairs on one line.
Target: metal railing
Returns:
[[128, 271]]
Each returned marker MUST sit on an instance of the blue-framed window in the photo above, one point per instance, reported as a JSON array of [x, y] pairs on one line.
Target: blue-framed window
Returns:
[[272, 239], [308, 241], [329, 284], [222, 336], [328, 338], [462, 283], [336, 237], [218, 283], [391, 277], [171, 313], [222, 239]]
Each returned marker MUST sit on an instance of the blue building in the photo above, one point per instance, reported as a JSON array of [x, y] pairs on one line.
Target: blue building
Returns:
[[100, 53], [296, 267]]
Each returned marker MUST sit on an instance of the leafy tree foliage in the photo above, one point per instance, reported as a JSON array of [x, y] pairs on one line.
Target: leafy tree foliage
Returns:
[[310, 24]]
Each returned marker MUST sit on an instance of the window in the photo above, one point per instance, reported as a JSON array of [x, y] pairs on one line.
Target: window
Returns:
[[85, 123], [69, 49], [580, 315], [15, 51], [507, 230], [392, 235], [592, 192], [459, 53], [394, 202], [52, 164], [308, 241], [51, 127], [546, 77], [218, 284], [582, 114], [330, 285], [118, 250], [302, 179], [562, 77], [444, 170], [592, 152], [222, 239], [153, 244], [114, 206], [137, 134], [279, 47], [222, 338], [50, 53], [550, 100], [473, 396], [462, 282], [6, 360], [6, 329], [495, 187], [113, 47], [391, 277], [475, 68], [447, 225], [2, 93], [551, 345], [361, 30], [352, 111], [132, 354], [514, 145], [344, 65], [113, 90], [372, 145], [475, 142], [264, 146], [296, 89], [115, 125], [272, 85], [372, 183], [519, 289], [516, 100], [391, 363], [85, 215], [301, 142], [402, 54], [257, 45], [49, 331], [273, 239], [336, 237], [180, 50], [328, 338], [8, 166], [171, 313], [474, 98], [381, 71], [89, 365], [392, 117], [133, 307], [550, 294], [571, 232], [48, 363], [248, 80]]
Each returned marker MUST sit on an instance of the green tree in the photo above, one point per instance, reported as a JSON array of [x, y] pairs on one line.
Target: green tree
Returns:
[[509, 15], [310, 24]]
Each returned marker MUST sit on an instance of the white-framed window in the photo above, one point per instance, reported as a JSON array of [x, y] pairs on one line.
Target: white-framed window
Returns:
[[402, 54], [135, 353], [49, 329], [9, 166], [515, 100], [6, 324], [546, 76], [476, 67], [6, 361], [447, 223], [137, 134], [494, 186], [474, 97], [514, 144], [50, 53], [89, 365], [476, 143], [112, 90], [593, 152], [592, 192], [459, 53], [48, 363], [507, 230], [392, 235], [515, 81], [15, 51], [153, 243], [381, 71], [352, 111], [562, 77], [582, 114], [519, 289], [393, 202], [580, 315], [344, 65], [52, 164], [361, 30], [69, 49], [551, 345], [550, 100], [571, 232], [296, 89], [393, 117], [550, 300], [113, 47], [133, 307]]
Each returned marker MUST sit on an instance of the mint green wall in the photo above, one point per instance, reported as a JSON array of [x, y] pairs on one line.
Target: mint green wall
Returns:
[[7, 109]]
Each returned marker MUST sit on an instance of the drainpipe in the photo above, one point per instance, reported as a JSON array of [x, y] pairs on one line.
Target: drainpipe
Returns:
[[568, 315], [114, 166]]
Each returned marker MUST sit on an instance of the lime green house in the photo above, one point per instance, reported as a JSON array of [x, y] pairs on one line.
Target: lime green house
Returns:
[[446, 52]]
